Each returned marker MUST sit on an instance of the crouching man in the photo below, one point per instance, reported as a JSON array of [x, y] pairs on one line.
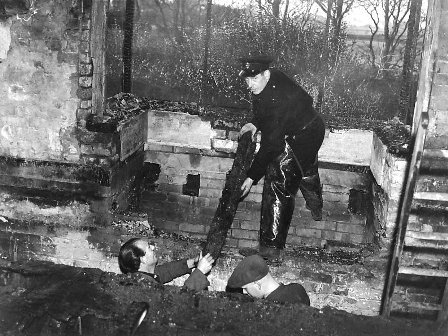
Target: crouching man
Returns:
[[139, 255], [252, 275]]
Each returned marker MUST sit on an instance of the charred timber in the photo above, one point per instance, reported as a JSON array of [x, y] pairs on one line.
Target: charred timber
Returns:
[[231, 196]]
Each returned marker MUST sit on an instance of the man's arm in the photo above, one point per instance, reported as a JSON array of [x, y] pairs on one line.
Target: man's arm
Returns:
[[272, 138], [197, 281], [171, 270]]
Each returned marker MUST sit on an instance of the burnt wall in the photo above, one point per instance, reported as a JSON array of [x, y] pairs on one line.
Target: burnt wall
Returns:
[[47, 154], [432, 96], [39, 72]]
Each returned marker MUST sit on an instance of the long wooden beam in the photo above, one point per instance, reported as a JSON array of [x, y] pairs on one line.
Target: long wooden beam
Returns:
[[231, 195]]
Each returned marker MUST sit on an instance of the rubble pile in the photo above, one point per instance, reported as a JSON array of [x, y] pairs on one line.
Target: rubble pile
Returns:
[[124, 106]]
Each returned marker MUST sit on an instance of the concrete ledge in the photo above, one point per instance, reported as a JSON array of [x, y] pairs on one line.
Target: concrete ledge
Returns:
[[387, 168], [174, 128], [168, 130], [349, 146]]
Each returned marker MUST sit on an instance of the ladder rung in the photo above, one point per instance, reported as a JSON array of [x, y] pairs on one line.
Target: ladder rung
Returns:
[[430, 244], [417, 305], [440, 236], [431, 196], [439, 154], [423, 272], [432, 240]]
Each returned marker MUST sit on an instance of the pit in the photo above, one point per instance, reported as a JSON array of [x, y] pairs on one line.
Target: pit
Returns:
[[76, 184]]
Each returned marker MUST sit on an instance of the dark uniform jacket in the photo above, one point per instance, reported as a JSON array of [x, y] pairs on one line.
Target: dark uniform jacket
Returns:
[[282, 109], [171, 270], [292, 293]]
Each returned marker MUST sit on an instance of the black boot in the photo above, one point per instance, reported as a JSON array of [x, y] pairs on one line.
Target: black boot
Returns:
[[272, 255], [248, 251]]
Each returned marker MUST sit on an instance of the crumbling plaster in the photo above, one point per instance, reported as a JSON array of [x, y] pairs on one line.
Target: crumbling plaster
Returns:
[[38, 72]]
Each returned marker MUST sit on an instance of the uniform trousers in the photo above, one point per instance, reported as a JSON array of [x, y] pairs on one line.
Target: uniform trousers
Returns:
[[290, 171]]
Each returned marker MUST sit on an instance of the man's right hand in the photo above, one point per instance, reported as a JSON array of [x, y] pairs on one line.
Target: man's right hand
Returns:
[[245, 188], [249, 127]]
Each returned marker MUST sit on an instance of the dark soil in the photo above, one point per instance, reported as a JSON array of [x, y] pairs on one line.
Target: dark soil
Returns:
[[38, 298]]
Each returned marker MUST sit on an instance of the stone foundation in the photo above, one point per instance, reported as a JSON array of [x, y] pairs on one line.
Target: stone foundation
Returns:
[[183, 145]]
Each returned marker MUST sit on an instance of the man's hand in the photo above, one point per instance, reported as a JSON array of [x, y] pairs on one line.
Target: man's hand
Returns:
[[247, 184], [249, 127], [205, 263]]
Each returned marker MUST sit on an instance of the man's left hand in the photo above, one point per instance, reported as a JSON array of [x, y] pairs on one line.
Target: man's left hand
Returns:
[[205, 263]]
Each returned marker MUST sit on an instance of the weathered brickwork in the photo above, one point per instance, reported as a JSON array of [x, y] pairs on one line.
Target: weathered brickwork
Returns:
[[354, 288], [39, 83], [46, 148], [437, 138], [168, 208]]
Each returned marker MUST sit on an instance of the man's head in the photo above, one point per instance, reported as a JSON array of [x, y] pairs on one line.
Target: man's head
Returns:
[[255, 71], [137, 255], [249, 275]]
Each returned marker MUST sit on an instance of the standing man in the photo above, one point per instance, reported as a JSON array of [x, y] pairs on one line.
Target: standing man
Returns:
[[292, 133]]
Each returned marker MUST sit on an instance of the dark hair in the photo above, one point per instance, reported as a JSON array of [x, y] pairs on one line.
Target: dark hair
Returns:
[[129, 256]]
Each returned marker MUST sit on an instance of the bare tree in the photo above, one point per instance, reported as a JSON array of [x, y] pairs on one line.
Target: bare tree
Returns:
[[178, 15], [179, 20], [208, 28], [285, 12], [275, 8], [394, 13], [407, 94], [282, 10], [373, 13], [160, 6], [335, 11], [126, 84]]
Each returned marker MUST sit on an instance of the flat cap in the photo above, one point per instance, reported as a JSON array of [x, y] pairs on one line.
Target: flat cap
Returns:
[[250, 269], [252, 66]]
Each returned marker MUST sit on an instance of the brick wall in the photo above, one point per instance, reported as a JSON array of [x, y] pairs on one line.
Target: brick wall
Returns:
[[388, 171], [437, 137], [182, 145], [48, 154], [40, 81]]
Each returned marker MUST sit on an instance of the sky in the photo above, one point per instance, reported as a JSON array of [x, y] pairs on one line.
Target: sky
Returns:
[[356, 17]]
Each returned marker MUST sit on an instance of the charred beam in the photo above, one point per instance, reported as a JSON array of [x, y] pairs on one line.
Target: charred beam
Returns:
[[231, 196]]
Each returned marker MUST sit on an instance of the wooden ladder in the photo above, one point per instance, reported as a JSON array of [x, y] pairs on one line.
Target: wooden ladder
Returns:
[[419, 241]]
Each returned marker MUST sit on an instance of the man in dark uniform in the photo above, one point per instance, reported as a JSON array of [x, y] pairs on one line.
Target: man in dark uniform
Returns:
[[292, 133], [252, 275]]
